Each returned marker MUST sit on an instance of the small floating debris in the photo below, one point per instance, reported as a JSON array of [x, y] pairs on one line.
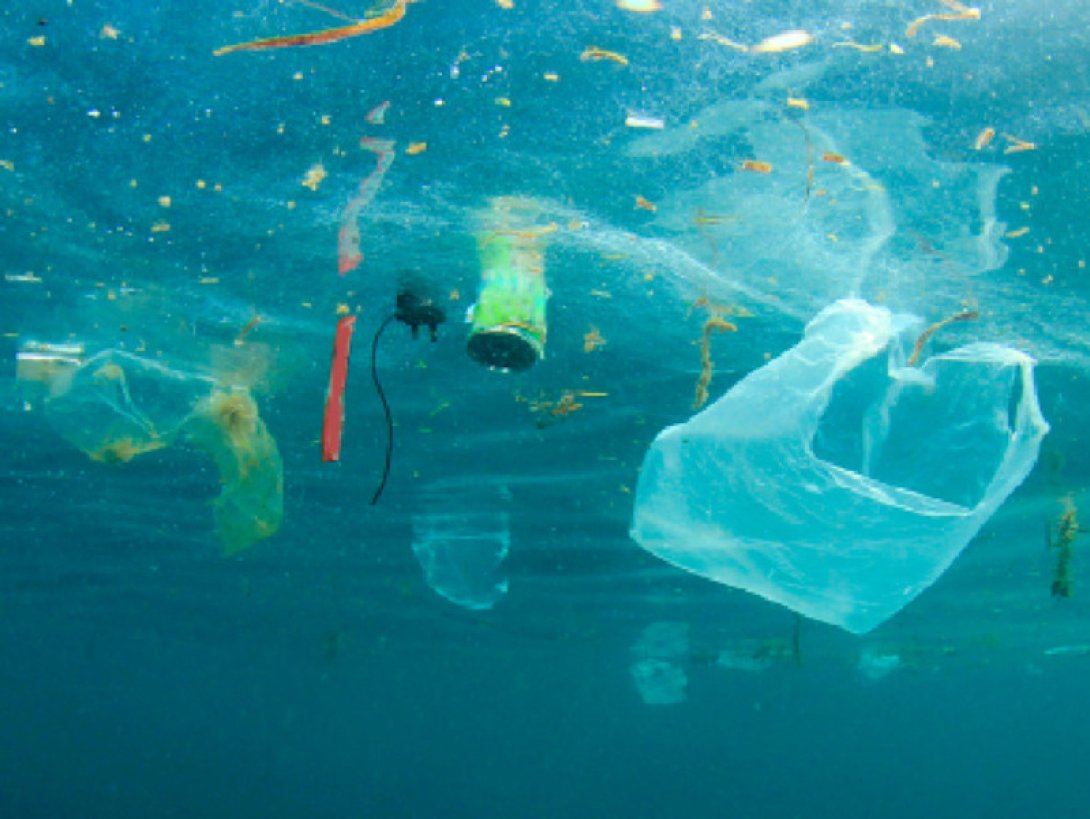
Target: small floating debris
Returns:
[[595, 53], [983, 139], [314, 176], [1073, 650], [643, 121], [942, 41], [784, 41], [1017, 145], [640, 6]]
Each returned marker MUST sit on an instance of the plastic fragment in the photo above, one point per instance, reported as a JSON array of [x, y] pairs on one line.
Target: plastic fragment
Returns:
[[640, 6], [333, 420], [1017, 145], [784, 41], [377, 115], [330, 35], [595, 53], [642, 121], [314, 176], [960, 13], [866, 49], [722, 40], [943, 41], [349, 255], [983, 139]]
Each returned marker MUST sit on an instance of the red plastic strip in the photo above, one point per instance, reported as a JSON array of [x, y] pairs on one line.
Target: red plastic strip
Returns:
[[333, 423]]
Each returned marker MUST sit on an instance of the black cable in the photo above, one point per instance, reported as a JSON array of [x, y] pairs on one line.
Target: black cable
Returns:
[[385, 407]]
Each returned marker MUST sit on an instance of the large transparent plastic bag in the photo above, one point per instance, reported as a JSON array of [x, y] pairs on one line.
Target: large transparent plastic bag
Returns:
[[837, 481]]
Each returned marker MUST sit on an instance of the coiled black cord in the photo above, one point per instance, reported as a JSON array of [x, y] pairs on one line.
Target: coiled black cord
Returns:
[[385, 407]]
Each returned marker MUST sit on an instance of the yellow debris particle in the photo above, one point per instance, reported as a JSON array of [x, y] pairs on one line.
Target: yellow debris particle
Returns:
[[1017, 145], [298, 75], [1014, 234], [675, 33], [960, 13], [506, 5], [208, 280], [415, 148], [722, 40], [784, 41], [325, 119], [798, 102], [503, 102], [644, 204], [314, 176], [201, 184], [866, 49], [37, 42], [147, 138], [551, 76], [164, 201], [343, 309], [592, 340], [757, 166], [983, 139], [595, 53], [7, 164], [108, 32], [942, 41], [895, 49], [160, 227]]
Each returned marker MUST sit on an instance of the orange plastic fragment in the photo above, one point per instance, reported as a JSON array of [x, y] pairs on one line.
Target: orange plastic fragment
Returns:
[[757, 166], [595, 53], [329, 35], [983, 139]]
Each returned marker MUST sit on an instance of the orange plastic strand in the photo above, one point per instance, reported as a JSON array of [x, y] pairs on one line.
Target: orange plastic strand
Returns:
[[328, 35], [965, 315]]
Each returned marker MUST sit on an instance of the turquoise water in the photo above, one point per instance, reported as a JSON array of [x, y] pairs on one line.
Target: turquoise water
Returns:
[[154, 213]]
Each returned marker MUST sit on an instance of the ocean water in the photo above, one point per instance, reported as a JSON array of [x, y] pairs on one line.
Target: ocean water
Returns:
[[201, 617]]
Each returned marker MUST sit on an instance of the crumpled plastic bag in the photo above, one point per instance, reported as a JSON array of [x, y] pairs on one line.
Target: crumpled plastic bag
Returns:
[[116, 406], [837, 481]]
